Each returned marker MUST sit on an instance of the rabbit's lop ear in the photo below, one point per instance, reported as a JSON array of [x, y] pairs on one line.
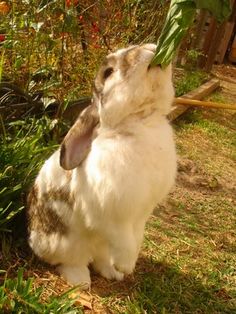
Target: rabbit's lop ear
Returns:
[[77, 143]]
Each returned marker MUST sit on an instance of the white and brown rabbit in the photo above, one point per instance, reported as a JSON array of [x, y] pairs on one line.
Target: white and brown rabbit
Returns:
[[92, 198]]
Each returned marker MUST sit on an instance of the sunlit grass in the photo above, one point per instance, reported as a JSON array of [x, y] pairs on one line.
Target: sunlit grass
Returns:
[[24, 145]]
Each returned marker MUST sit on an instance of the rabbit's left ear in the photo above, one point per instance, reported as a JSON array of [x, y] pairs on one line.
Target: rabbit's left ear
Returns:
[[76, 144]]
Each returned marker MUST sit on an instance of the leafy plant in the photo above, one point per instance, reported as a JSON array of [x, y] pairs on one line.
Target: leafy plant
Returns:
[[55, 46], [179, 18], [189, 82], [24, 145], [18, 296]]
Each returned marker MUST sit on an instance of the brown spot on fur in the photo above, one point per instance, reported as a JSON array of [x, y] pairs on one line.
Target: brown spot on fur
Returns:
[[129, 60], [32, 197], [41, 216], [124, 62], [62, 153], [126, 133], [59, 195], [109, 62]]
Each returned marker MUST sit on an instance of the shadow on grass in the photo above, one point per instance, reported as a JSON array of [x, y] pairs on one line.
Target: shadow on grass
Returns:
[[157, 287]]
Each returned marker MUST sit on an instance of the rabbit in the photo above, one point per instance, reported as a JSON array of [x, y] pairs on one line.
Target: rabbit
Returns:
[[92, 197]]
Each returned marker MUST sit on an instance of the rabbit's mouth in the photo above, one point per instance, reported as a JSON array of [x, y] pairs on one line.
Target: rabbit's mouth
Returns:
[[153, 66], [151, 48]]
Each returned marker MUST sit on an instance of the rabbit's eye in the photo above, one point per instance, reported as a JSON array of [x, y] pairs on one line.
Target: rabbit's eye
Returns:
[[107, 73]]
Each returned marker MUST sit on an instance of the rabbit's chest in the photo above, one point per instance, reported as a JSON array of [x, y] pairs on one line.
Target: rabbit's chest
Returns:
[[127, 176]]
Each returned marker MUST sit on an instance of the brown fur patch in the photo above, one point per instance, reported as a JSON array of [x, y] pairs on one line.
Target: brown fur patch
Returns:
[[59, 195], [123, 63], [129, 60], [41, 217], [62, 154], [126, 133], [109, 62]]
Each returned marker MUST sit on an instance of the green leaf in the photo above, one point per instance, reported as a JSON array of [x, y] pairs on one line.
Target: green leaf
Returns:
[[1, 64], [20, 277], [220, 9], [179, 19]]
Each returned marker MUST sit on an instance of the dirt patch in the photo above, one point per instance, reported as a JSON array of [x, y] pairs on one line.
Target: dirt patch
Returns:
[[222, 70], [227, 75]]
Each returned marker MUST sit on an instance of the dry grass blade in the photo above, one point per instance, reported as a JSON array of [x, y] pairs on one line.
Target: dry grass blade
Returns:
[[82, 299]]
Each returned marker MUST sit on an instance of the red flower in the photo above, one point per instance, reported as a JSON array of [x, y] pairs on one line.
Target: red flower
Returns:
[[72, 2], [64, 35], [96, 46], [2, 37], [95, 27]]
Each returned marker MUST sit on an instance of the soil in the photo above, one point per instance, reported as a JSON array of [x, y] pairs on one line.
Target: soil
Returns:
[[227, 76]]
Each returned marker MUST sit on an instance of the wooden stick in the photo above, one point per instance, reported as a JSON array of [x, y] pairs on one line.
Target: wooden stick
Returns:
[[200, 93], [210, 104]]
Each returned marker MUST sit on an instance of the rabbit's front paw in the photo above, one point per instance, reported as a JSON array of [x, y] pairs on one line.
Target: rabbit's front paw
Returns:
[[125, 266], [109, 272], [76, 275]]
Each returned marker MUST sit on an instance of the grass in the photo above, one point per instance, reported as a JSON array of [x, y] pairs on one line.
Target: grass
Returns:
[[187, 263], [24, 145], [18, 296], [190, 81], [217, 97]]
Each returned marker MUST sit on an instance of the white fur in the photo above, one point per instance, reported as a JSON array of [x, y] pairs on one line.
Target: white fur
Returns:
[[130, 168]]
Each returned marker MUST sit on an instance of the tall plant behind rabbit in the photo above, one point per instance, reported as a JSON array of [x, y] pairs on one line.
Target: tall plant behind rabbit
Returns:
[[92, 198]]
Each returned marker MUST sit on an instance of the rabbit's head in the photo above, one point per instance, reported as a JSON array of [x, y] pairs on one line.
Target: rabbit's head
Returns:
[[126, 84]]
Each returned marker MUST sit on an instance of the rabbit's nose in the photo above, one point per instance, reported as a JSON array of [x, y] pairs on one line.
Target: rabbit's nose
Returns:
[[153, 66], [150, 47]]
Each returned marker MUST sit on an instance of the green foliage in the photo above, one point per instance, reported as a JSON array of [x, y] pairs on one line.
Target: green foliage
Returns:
[[56, 46], [192, 57], [218, 97], [190, 81], [221, 9], [179, 19], [1, 65], [18, 296], [24, 145]]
